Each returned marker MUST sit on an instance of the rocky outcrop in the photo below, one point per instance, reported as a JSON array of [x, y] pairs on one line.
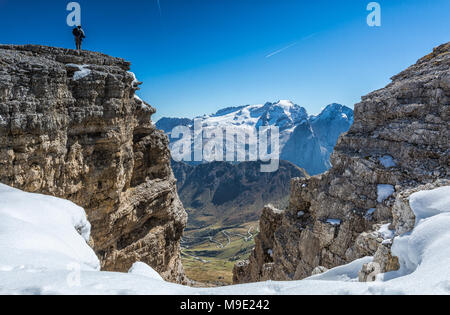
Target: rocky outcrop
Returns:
[[404, 222], [399, 140], [262, 256], [404, 218], [71, 126]]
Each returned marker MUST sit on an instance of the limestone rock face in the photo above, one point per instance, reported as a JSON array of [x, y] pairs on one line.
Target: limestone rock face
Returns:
[[260, 264], [72, 127], [399, 140]]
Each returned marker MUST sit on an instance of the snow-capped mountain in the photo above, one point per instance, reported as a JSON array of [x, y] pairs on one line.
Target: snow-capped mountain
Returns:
[[306, 141], [334, 120], [167, 124], [311, 143]]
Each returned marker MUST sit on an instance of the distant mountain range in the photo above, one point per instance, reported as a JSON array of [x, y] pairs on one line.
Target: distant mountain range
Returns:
[[307, 141]]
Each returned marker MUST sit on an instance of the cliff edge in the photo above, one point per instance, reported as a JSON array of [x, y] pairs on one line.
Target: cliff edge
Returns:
[[71, 126]]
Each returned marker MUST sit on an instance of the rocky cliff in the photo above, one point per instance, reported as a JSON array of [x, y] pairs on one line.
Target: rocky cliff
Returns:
[[71, 126], [399, 141]]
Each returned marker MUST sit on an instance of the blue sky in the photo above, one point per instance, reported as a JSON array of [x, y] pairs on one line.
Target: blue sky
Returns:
[[197, 56]]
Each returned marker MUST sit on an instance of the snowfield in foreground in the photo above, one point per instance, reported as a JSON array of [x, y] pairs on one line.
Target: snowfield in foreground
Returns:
[[43, 250]]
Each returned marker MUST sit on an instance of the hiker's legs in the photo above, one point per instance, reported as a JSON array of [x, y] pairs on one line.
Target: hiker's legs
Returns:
[[78, 42]]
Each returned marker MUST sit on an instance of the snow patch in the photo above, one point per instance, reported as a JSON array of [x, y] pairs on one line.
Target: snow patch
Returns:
[[387, 161], [386, 233], [426, 204], [384, 192], [141, 269], [346, 273], [141, 102], [82, 72], [135, 82], [424, 253], [38, 231]]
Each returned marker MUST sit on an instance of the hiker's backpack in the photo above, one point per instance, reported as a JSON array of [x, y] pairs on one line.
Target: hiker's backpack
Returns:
[[76, 32]]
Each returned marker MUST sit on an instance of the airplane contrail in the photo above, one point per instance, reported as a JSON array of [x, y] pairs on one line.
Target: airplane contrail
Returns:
[[289, 46], [281, 50]]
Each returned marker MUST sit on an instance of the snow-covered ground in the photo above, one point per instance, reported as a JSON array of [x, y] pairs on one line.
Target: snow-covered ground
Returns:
[[43, 250]]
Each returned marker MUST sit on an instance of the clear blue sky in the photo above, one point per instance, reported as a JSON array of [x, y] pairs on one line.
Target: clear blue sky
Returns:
[[197, 56]]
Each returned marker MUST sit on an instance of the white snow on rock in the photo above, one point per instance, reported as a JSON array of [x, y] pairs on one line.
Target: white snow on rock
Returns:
[[426, 204], [38, 231], [82, 72], [384, 192], [387, 161], [346, 273], [135, 84], [135, 80], [386, 233], [432, 210], [141, 102], [43, 240], [424, 254], [141, 269]]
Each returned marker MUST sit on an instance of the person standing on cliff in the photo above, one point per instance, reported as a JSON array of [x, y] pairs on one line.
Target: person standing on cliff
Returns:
[[79, 35]]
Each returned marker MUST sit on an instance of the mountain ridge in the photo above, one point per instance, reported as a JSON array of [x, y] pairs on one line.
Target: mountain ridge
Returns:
[[315, 134]]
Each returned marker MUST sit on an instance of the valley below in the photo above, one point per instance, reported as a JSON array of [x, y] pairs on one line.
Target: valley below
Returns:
[[220, 231], [209, 254]]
